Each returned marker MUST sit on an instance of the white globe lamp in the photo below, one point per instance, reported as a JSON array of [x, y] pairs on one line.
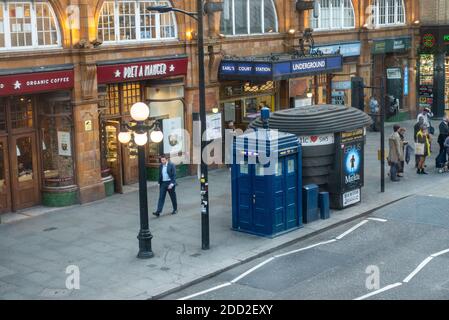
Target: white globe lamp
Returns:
[[140, 138], [124, 137], [140, 111], [156, 136]]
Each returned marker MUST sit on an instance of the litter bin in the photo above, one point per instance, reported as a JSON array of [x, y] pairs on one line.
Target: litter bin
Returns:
[[266, 183]]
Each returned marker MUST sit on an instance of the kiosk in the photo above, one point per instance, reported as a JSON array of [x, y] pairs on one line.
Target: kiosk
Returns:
[[266, 183]]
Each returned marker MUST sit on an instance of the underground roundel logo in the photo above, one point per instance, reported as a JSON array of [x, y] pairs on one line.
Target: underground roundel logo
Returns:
[[428, 40]]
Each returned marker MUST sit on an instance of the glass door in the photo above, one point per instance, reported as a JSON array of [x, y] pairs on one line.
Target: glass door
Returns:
[[113, 156], [25, 180], [5, 186]]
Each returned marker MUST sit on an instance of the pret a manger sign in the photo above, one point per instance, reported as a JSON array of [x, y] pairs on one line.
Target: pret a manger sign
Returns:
[[119, 72]]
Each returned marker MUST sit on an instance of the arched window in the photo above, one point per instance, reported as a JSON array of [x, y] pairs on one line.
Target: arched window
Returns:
[[388, 12], [130, 21], [334, 14], [241, 17], [27, 24]]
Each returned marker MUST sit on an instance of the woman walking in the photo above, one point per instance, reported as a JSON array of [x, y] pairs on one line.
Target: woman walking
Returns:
[[422, 148]]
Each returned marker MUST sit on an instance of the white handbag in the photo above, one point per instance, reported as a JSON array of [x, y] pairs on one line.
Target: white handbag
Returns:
[[419, 149]]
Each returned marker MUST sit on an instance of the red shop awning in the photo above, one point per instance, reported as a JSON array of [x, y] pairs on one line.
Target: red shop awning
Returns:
[[141, 69], [42, 79]]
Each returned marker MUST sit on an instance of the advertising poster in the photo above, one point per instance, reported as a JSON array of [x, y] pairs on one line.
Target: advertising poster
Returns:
[[213, 126], [351, 149], [173, 135], [64, 144]]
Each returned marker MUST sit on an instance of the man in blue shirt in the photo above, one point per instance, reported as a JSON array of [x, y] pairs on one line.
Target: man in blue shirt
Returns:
[[167, 183]]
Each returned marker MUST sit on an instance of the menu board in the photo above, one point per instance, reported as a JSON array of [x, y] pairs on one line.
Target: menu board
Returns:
[[426, 80]]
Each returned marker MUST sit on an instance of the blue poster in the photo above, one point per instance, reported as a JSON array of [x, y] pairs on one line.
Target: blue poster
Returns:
[[406, 76]]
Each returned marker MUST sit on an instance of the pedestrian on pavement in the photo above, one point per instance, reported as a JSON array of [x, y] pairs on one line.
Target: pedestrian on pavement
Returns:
[[423, 142], [374, 112], [395, 154], [404, 143], [426, 114], [416, 128], [443, 134], [167, 183]]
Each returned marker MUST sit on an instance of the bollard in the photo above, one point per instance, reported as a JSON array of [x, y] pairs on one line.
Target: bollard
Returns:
[[323, 201]]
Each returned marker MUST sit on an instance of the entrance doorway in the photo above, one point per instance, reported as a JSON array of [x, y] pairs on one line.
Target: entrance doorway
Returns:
[[121, 160], [24, 171]]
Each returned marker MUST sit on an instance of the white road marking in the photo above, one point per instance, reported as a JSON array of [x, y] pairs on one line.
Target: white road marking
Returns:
[[351, 230], [439, 253], [418, 269], [305, 248], [252, 270], [274, 257], [206, 291], [378, 219], [391, 286]]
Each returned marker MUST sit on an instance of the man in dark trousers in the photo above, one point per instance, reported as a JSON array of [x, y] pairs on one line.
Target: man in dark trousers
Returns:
[[167, 183], [444, 133]]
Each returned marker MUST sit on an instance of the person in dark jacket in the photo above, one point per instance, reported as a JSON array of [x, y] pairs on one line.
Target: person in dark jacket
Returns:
[[167, 183], [444, 133]]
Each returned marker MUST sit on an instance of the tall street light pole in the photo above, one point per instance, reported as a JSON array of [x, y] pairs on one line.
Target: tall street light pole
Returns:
[[138, 130], [204, 177]]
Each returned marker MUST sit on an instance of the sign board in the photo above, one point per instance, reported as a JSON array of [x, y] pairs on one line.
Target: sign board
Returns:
[[351, 197], [173, 135], [114, 72], [391, 45], [279, 69], [213, 126], [345, 49], [317, 140], [33, 82], [64, 144], [406, 80], [350, 154], [394, 73]]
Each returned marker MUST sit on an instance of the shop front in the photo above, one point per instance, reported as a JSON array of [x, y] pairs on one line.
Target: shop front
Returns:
[[391, 63], [159, 82], [250, 83], [341, 81], [36, 138], [433, 70]]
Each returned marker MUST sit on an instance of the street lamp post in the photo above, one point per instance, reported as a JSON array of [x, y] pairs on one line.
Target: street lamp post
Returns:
[[204, 179], [138, 130]]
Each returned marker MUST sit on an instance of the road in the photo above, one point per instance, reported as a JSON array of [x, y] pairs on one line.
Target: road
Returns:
[[398, 252]]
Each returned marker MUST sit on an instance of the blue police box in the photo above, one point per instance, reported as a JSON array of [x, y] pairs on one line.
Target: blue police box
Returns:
[[266, 183]]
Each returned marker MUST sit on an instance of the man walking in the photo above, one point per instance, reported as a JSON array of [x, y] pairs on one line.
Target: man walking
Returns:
[[396, 153], [167, 183]]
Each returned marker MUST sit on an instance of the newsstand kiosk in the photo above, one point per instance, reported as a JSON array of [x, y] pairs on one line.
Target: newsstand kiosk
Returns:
[[266, 183]]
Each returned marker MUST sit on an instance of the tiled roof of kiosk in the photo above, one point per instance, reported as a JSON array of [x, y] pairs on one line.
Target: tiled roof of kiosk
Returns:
[[316, 119]]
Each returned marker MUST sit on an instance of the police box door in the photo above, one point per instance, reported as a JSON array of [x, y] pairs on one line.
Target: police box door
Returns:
[[285, 194], [252, 197]]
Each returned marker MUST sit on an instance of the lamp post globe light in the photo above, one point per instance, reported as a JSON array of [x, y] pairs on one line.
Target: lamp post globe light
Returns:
[[202, 8], [137, 130]]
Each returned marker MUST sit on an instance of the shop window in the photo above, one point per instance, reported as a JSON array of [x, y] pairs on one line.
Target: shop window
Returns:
[[131, 94], [2, 115], [24, 153], [21, 113], [253, 105], [55, 124], [28, 24], [241, 17], [2, 165], [335, 14], [112, 100], [426, 74], [130, 21], [388, 12], [166, 103]]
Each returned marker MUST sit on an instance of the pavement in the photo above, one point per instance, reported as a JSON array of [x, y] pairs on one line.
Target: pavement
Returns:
[[99, 238]]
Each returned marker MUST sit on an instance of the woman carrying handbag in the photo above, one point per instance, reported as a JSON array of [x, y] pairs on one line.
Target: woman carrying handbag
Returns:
[[422, 148]]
